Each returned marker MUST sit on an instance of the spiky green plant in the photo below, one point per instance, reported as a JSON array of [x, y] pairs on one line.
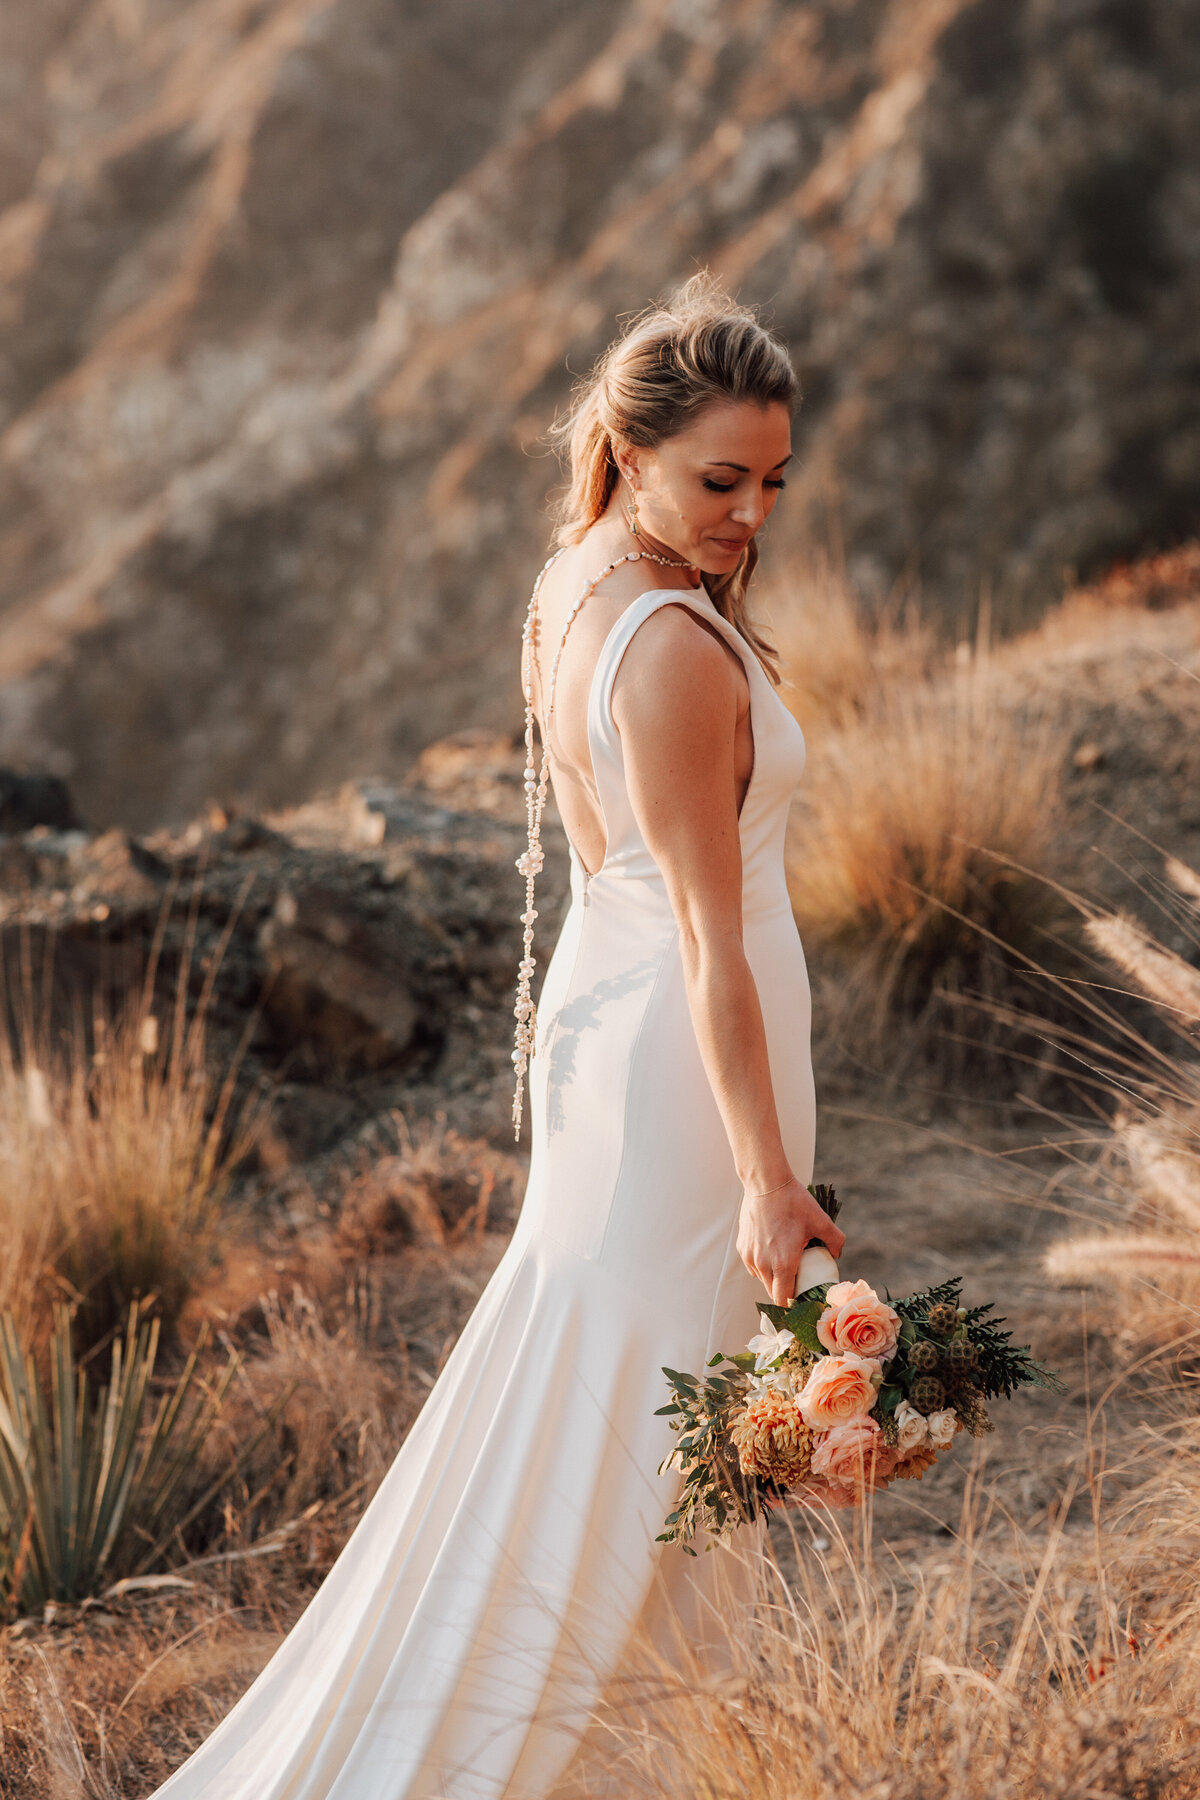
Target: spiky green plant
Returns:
[[94, 1486]]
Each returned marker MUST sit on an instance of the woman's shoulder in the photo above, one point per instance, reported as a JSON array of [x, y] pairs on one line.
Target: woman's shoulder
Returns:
[[676, 646]]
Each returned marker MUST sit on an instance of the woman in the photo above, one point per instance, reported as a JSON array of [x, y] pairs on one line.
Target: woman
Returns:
[[486, 1601]]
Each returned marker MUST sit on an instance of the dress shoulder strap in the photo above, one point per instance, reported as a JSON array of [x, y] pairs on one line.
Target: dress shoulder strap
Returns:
[[602, 730]]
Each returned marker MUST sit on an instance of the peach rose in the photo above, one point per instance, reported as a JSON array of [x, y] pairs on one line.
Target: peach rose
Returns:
[[855, 1455], [839, 1388], [855, 1318]]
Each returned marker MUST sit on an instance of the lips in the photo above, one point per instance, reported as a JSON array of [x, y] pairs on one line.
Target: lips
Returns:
[[732, 543]]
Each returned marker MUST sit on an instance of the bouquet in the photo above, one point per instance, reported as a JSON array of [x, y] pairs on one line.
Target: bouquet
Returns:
[[840, 1394]]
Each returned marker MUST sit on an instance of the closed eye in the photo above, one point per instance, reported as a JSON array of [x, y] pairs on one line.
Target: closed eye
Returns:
[[724, 487]]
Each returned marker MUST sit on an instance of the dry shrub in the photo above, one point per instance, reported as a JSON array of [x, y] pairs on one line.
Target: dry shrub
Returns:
[[437, 1188], [1169, 578], [838, 661], [341, 1424], [919, 844], [115, 1162]]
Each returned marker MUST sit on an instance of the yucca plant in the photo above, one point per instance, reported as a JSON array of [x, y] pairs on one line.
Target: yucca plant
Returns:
[[92, 1485]]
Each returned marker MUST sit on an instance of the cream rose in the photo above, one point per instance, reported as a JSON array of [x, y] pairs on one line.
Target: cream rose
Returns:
[[912, 1426], [839, 1388], [942, 1427], [854, 1455], [855, 1318]]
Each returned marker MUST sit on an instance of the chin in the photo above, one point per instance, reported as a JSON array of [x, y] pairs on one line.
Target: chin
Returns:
[[720, 562]]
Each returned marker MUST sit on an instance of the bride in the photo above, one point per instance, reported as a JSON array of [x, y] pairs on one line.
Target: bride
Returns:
[[491, 1592]]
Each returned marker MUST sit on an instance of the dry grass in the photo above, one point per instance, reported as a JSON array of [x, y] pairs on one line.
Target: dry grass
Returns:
[[343, 1416], [1016, 1665], [837, 661], [1047, 1662], [106, 1709], [117, 1151], [918, 845], [1152, 1169], [436, 1188]]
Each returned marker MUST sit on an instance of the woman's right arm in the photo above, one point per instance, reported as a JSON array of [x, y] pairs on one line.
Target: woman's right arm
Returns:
[[676, 704]]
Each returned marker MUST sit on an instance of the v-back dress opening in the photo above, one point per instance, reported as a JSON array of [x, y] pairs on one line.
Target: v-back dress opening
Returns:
[[490, 1593]]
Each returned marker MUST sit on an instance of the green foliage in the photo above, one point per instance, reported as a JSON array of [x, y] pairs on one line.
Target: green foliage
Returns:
[[825, 1198], [800, 1318], [716, 1496], [1003, 1366], [92, 1488]]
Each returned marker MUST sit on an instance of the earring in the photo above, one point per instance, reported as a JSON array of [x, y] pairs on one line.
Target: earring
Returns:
[[631, 511]]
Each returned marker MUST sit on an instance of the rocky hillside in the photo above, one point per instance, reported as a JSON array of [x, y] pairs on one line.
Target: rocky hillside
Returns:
[[290, 290]]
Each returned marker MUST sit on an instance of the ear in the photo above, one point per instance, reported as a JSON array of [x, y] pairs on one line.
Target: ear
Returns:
[[626, 458]]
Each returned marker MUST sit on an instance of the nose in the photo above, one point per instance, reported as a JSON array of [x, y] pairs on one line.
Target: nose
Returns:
[[750, 512]]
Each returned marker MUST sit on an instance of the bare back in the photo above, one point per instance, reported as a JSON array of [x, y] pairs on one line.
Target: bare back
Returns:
[[570, 754]]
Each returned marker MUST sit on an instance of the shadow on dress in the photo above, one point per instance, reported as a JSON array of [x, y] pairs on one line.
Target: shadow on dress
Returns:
[[584, 1012]]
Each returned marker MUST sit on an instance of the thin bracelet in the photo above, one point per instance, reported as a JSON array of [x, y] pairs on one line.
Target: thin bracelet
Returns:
[[769, 1191]]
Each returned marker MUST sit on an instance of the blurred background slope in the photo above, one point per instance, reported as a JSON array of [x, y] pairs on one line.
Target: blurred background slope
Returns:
[[290, 289]]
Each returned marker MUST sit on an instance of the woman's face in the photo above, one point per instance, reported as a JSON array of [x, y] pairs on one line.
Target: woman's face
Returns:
[[705, 492]]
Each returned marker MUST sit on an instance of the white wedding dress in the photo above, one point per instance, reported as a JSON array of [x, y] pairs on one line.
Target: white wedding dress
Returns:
[[490, 1592]]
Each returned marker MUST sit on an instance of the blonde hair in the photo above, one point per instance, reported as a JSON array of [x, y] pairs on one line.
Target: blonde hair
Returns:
[[668, 365]]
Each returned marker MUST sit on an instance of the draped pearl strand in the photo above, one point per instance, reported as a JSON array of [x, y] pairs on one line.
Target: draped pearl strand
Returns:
[[536, 781]]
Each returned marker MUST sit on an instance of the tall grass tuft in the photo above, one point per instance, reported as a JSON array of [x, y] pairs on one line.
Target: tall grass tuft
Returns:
[[837, 660], [1016, 1665], [1156, 1129], [918, 847], [117, 1149], [338, 1415]]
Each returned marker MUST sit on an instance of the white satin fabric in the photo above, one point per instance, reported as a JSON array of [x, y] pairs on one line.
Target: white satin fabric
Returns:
[[491, 1591]]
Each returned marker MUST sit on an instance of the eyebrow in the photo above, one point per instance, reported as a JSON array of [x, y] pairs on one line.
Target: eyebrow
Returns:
[[741, 467]]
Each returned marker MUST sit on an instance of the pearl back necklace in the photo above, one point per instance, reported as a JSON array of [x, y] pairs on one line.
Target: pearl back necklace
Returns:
[[530, 862]]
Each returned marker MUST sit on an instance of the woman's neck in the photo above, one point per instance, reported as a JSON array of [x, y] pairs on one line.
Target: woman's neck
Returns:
[[611, 537]]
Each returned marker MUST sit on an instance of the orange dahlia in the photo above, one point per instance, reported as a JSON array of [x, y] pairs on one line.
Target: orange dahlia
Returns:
[[914, 1465], [771, 1439]]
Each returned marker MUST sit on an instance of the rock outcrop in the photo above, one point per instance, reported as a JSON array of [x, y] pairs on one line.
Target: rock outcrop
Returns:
[[290, 290], [351, 955]]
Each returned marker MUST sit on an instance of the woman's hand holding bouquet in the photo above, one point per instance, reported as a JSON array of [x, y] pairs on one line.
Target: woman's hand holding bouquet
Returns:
[[840, 1394]]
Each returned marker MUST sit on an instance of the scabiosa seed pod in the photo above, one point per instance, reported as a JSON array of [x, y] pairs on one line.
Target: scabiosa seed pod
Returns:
[[961, 1353], [927, 1394], [942, 1319], [923, 1356]]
